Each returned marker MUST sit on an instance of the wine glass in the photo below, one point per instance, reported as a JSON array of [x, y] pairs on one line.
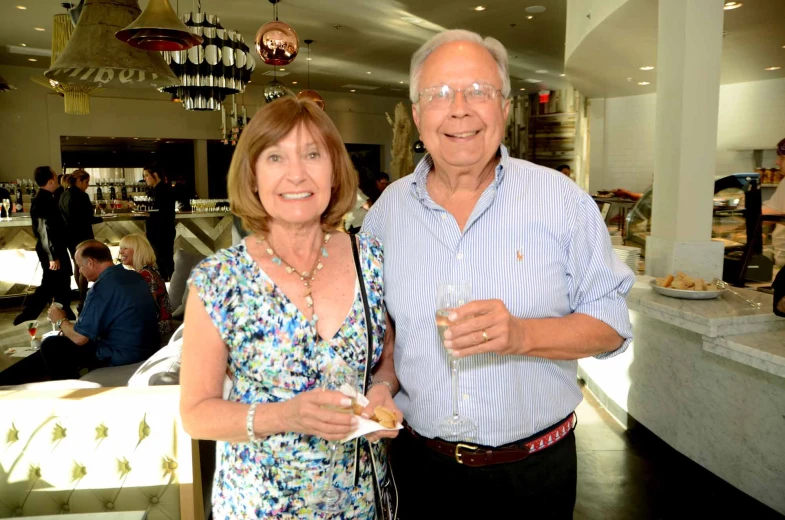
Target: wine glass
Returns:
[[7, 206], [450, 296], [329, 498]]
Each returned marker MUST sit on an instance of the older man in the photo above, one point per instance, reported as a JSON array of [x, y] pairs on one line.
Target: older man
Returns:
[[118, 325], [547, 290]]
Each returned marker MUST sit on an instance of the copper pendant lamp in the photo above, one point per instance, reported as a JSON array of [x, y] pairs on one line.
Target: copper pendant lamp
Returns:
[[159, 29], [277, 42], [309, 94]]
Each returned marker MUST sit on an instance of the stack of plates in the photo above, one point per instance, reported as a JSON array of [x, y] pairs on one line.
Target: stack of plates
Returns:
[[628, 255], [617, 240]]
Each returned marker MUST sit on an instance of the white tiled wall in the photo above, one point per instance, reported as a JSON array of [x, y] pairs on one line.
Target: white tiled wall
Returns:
[[751, 116]]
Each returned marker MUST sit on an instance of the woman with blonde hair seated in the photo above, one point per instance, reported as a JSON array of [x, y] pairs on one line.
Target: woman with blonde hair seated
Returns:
[[137, 253], [280, 312]]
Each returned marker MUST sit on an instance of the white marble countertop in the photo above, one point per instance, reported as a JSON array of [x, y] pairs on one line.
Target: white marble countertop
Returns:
[[765, 350], [727, 315]]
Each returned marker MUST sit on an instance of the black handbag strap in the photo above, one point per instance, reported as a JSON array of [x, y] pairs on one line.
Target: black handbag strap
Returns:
[[367, 308]]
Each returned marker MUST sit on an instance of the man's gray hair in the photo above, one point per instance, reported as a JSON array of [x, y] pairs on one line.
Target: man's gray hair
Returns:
[[493, 46]]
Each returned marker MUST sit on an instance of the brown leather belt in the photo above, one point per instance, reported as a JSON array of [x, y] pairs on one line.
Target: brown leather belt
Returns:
[[477, 456]]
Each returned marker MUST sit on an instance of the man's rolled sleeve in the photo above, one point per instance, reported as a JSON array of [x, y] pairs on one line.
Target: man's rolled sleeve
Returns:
[[599, 281]]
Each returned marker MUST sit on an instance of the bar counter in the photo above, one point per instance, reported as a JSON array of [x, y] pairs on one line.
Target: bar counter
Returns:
[[19, 267], [708, 378]]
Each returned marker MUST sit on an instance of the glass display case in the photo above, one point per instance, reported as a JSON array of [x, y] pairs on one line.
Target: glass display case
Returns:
[[737, 209]]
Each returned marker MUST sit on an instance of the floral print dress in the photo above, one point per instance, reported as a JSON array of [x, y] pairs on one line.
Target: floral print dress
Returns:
[[275, 354]]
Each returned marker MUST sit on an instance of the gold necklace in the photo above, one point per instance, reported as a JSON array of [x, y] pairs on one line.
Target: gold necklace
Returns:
[[306, 277]]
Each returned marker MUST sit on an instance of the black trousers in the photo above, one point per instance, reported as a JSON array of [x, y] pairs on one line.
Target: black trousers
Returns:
[[163, 247], [431, 485], [59, 358], [54, 284]]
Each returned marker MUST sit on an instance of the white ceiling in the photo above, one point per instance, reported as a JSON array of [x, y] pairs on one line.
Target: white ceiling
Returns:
[[607, 63], [352, 37]]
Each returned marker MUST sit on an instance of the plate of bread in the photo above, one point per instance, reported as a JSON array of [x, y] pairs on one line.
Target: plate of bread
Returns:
[[685, 287]]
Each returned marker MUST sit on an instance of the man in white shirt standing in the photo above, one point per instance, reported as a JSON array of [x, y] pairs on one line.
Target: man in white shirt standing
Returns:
[[776, 206], [547, 290]]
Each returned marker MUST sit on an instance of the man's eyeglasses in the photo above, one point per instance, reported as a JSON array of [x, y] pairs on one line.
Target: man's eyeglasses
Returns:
[[443, 96]]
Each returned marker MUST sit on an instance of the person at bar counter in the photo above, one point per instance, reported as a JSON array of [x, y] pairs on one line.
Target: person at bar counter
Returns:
[[118, 325], [51, 249], [78, 215], [565, 169], [547, 288], [776, 206], [284, 307], [161, 222]]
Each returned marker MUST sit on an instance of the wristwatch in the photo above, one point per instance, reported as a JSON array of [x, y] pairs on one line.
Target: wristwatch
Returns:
[[59, 323]]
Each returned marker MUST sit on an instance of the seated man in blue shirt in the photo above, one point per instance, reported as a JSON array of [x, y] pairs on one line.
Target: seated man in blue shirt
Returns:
[[118, 325]]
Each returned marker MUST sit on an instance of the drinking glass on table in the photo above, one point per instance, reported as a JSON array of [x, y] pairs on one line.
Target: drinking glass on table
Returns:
[[328, 498], [450, 296], [7, 206]]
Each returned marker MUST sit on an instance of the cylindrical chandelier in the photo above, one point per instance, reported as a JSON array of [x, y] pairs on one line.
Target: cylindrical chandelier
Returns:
[[219, 67]]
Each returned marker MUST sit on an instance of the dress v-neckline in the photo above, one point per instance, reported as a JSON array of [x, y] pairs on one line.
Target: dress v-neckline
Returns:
[[301, 315]]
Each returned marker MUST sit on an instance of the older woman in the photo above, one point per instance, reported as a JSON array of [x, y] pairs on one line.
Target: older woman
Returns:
[[285, 307], [137, 253]]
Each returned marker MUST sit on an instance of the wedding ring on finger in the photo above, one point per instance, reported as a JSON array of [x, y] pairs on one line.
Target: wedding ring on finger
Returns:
[[484, 337]]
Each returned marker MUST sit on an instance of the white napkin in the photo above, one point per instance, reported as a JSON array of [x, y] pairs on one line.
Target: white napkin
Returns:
[[365, 426]]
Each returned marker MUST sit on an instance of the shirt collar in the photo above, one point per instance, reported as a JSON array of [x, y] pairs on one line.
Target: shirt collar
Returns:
[[424, 167], [105, 271]]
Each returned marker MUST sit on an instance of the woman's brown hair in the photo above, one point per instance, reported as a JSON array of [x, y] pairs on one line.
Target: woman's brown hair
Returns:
[[76, 175], [269, 126]]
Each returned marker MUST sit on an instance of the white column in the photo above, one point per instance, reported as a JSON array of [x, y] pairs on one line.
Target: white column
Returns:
[[200, 168], [597, 146], [689, 50]]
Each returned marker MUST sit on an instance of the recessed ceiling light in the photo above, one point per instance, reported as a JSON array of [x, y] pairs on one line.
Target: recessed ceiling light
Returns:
[[39, 28], [25, 45], [31, 59], [401, 82], [647, 67], [772, 68], [352, 90], [729, 6], [523, 88], [643, 83], [21, 7], [541, 71], [529, 17], [368, 72], [480, 8], [308, 59], [294, 83], [533, 80], [282, 70], [536, 9]]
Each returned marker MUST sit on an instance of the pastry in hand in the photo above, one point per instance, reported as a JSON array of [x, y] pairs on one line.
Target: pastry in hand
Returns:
[[384, 416]]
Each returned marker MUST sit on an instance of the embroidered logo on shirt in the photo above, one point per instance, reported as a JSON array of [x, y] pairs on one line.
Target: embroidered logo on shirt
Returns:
[[519, 255]]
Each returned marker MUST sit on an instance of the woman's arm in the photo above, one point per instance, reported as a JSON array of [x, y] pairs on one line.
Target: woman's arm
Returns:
[[206, 415]]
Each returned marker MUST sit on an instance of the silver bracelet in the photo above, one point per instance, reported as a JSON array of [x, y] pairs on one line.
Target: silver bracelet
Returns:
[[385, 383], [249, 423]]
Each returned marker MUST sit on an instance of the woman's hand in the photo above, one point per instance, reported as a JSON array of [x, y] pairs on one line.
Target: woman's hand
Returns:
[[307, 413], [379, 395]]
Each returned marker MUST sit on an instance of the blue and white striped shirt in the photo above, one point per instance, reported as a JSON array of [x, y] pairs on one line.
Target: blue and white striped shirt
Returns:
[[535, 241]]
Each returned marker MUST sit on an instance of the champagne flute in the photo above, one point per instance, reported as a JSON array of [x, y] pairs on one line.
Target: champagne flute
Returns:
[[450, 296], [7, 206], [329, 498]]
